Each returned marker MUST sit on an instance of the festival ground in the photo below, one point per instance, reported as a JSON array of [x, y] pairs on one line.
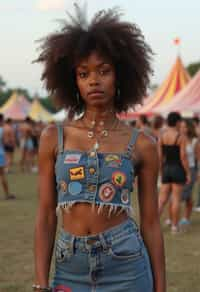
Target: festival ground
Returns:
[[16, 243]]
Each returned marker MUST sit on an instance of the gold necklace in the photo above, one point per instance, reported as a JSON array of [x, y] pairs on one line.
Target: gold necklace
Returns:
[[104, 133]]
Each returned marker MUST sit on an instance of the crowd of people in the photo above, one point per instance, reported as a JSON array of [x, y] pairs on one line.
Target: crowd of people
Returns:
[[18, 137], [178, 141]]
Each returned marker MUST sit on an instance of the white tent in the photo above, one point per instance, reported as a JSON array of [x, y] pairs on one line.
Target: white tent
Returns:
[[60, 116]]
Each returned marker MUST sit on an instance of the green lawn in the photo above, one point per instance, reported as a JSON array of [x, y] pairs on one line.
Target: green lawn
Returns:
[[16, 243]]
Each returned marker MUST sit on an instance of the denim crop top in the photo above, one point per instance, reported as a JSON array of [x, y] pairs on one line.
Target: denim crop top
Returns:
[[99, 178]]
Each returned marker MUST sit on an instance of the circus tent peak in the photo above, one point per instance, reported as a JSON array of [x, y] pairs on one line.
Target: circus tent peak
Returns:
[[39, 113], [187, 101], [16, 107], [175, 81]]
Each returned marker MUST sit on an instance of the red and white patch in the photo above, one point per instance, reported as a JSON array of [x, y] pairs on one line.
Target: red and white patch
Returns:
[[106, 192], [62, 288], [125, 196], [72, 158]]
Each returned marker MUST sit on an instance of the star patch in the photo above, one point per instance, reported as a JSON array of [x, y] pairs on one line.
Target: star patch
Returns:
[[77, 173]]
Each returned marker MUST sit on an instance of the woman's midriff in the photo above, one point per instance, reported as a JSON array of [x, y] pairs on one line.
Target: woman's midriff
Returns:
[[83, 220]]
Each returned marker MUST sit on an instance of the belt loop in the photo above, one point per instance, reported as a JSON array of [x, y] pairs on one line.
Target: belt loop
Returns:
[[103, 242], [72, 244]]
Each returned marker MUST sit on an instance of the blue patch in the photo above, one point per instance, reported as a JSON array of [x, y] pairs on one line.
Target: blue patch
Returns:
[[75, 188]]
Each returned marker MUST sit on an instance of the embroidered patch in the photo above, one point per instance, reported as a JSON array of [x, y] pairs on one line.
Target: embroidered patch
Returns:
[[106, 192], [118, 178], [63, 186], [113, 160], [72, 158], [77, 173], [62, 288], [92, 170], [125, 196], [75, 188], [91, 188]]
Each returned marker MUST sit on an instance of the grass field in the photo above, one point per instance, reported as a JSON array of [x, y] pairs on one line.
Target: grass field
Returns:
[[16, 243]]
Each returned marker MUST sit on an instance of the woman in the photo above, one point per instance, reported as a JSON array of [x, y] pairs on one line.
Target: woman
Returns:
[[87, 165], [192, 149], [174, 167], [8, 195]]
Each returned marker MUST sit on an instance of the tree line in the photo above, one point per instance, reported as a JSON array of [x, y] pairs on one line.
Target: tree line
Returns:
[[47, 102]]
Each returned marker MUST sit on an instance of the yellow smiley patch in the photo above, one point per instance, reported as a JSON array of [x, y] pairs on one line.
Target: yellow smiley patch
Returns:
[[118, 178], [77, 173]]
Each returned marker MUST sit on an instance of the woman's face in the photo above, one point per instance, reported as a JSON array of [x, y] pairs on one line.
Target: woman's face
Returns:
[[183, 128], [96, 79]]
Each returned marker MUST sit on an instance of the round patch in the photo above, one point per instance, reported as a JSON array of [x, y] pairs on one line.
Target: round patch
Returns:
[[118, 178], [125, 196], [74, 188], [63, 186], [92, 170], [106, 192]]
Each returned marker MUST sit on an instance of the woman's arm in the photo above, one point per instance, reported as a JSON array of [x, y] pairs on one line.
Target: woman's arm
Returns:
[[148, 203], [46, 220], [160, 153], [197, 157], [184, 159]]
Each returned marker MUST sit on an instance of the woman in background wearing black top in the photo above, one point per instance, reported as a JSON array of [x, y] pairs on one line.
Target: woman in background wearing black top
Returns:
[[174, 167]]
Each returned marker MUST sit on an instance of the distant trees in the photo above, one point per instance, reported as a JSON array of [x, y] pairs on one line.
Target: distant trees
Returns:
[[193, 68], [6, 92]]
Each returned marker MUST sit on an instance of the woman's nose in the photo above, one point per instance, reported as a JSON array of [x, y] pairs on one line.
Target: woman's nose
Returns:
[[94, 79]]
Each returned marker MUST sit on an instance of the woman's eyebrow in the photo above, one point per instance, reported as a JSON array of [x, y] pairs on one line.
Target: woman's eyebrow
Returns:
[[84, 66]]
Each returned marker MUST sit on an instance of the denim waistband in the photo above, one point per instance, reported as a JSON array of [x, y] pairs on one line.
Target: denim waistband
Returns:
[[103, 239]]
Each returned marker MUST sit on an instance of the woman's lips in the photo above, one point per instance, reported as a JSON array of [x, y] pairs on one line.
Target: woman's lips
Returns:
[[95, 93]]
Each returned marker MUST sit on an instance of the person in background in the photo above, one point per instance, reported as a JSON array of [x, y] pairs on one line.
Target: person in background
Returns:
[[4, 182], [174, 167], [197, 129], [157, 125], [143, 124], [27, 145], [9, 143]]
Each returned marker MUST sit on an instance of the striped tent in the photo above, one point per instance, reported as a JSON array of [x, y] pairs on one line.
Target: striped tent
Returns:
[[39, 113], [176, 81], [16, 107], [187, 101]]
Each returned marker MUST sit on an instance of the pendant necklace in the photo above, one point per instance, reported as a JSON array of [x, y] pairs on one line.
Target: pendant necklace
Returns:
[[104, 132]]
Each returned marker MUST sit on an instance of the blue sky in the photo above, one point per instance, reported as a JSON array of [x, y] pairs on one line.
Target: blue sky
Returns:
[[24, 21]]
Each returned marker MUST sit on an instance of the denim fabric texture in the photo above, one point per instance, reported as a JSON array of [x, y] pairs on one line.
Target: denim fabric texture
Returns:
[[115, 260], [95, 177]]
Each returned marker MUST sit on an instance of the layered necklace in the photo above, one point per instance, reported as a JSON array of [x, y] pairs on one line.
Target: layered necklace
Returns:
[[92, 130]]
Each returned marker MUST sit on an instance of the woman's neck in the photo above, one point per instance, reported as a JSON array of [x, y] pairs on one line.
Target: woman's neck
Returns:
[[100, 115]]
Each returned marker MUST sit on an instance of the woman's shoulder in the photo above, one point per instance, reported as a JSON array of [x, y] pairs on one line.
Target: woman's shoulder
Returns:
[[49, 137]]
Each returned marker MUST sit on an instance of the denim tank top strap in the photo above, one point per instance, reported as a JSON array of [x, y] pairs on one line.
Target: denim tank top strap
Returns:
[[131, 144], [60, 138]]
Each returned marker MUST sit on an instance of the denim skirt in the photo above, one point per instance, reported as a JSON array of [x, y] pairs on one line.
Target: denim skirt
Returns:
[[115, 260]]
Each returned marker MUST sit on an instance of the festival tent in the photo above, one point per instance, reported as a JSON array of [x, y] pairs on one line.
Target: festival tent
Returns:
[[187, 101], [175, 81], [39, 113], [60, 116], [16, 107]]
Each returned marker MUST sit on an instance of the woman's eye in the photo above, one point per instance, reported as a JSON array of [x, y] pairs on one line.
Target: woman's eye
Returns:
[[82, 74], [103, 72]]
